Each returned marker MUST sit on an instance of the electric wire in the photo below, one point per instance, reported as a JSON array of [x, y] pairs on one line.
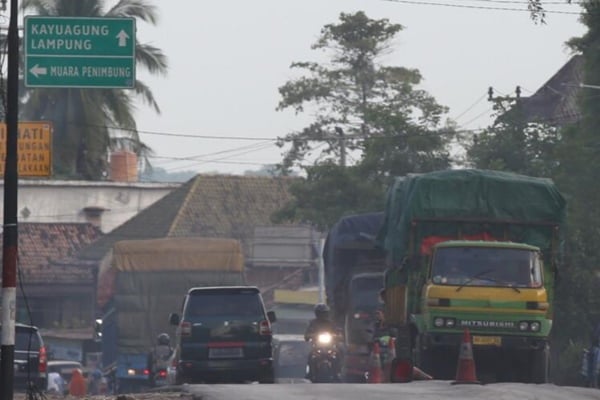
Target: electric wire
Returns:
[[470, 107], [475, 7]]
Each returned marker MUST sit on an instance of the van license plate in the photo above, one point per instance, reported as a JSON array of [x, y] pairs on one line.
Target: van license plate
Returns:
[[225, 352], [487, 340]]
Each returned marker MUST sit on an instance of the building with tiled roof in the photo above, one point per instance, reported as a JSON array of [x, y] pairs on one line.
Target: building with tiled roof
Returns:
[[228, 206], [58, 289], [556, 102], [207, 205]]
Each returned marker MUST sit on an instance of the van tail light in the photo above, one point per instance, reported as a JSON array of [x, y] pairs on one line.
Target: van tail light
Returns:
[[186, 329], [265, 327], [43, 360], [162, 373]]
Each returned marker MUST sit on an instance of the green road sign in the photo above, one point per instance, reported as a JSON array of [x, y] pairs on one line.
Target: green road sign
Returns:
[[79, 52]]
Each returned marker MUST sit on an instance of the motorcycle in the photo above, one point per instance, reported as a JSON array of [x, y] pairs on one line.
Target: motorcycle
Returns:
[[159, 377], [324, 363]]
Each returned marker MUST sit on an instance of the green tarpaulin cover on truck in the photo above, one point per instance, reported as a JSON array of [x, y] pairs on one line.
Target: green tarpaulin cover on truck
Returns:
[[470, 195]]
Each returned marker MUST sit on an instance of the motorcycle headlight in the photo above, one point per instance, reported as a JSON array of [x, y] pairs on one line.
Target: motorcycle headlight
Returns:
[[523, 326], [324, 338], [535, 326]]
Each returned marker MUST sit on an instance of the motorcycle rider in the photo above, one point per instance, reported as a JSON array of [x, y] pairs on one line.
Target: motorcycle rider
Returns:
[[159, 357], [321, 323]]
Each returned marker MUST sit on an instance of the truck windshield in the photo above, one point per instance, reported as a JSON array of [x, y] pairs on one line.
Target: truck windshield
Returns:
[[486, 266]]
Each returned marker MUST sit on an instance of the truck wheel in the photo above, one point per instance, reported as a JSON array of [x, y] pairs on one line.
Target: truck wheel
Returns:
[[540, 365]]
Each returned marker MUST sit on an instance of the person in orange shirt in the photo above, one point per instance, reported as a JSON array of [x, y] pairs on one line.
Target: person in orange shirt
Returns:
[[77, 386]]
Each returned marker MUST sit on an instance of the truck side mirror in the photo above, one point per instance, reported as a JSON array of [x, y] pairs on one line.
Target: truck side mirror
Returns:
[[271, 316], [174, 319]]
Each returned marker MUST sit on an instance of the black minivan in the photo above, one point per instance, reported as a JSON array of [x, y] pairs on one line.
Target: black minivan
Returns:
[[224, 335], [30, 359]]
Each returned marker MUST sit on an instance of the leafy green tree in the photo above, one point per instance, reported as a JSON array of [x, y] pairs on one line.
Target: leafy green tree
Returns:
[[328, 192], [514, 144], [367, 115], [579, 160], [538, 13], [88, 123]]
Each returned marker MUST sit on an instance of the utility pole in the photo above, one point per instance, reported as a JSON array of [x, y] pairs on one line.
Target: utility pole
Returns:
[[10, 232], [492, 98], [340, 132]]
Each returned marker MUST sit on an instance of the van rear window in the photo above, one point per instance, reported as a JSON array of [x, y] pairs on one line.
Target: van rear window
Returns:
[[241, 304]]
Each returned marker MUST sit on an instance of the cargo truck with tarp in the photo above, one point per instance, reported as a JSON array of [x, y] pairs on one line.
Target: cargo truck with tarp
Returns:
[[354, 268], [140, 283], [477, 250]]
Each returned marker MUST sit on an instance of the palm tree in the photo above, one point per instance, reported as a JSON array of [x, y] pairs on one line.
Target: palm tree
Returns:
[[88, 123]]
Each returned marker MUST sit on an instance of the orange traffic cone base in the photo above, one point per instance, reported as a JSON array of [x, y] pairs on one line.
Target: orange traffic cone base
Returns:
[[375, 371], [465, 372]]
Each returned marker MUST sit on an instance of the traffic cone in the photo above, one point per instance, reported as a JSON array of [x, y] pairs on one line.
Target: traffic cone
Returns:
[[375, 372], [391, 356], [420, 375], [77, 385], [465, 371]]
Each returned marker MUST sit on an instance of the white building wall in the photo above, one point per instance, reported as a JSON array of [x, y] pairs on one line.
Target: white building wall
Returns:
[[63, 201]]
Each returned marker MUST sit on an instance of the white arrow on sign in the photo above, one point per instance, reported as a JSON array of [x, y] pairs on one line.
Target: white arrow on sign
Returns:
[[122, 36], [37, 70]]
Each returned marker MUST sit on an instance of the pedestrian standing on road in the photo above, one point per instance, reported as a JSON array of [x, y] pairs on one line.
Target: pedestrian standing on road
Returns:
[[77, 385]]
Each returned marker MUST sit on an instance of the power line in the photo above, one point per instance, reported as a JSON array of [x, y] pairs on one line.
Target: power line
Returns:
[[223, 160], [196, 157], [478, 116], [470, 6], [471, 106], [564, 2]]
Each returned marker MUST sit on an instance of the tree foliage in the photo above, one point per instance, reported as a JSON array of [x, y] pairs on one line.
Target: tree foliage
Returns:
[[513, 143], [88, 123], [367, 116], [570, 155]]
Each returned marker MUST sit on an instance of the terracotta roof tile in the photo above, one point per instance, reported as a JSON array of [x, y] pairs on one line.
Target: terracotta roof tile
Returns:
[[207, 205], [43, 245]]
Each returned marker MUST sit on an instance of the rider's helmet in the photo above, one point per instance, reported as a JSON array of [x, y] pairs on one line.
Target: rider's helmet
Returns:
[[163, 339], [322, 311]]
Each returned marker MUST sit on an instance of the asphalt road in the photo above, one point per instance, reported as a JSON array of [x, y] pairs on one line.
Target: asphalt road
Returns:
[[424, 390]]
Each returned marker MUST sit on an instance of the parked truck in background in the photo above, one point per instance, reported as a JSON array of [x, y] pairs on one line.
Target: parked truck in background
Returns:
[[473, 249], [141, 283], [353, 278]]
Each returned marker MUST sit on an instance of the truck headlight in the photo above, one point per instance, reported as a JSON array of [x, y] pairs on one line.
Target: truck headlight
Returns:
[[535, 326], [523, 326], [450, 323], [438, 322]]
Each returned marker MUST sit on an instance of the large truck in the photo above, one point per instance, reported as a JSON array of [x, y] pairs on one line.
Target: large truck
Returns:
[[354, 268], [140, 283], [476, 250]]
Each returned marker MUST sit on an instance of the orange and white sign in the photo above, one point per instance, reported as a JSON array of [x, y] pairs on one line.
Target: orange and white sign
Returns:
[[34, 149]]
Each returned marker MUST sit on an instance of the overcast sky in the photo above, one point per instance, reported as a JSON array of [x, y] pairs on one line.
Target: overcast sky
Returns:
[[227, 60]]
